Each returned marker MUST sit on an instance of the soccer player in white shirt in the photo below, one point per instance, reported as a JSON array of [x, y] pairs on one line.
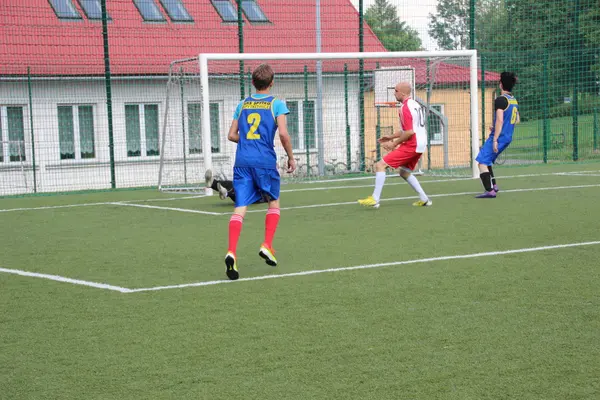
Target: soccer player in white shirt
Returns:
[[405, 148]]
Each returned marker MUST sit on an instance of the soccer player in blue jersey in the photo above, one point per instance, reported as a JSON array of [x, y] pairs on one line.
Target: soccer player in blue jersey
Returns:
[[506, 116], [255, 122]]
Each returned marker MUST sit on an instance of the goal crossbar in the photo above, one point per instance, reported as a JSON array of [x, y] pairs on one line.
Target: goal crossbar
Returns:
[[473, 77]]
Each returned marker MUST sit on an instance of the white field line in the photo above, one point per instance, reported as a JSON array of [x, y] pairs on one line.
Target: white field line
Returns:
[[432, 195], [581, 174], [123, 202], [292, 274], [65, 280], [167, 208], [577, 172], [192, 211], [186, 197], [52, 207], [369, 266]]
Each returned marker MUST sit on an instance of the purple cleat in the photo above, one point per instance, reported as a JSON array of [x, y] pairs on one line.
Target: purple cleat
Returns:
[[487, 195], [496, 188]]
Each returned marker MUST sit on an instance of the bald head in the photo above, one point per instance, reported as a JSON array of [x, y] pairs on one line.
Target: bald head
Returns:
[[402, 91]]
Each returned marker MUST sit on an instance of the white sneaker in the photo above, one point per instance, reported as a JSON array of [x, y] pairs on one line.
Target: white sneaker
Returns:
[[222, 192], [208, 178]]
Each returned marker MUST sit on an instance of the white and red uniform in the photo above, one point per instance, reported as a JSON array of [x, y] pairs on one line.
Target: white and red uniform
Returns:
[[407, 155]]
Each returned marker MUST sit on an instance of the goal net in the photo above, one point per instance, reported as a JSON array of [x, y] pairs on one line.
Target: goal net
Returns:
[[339, 105]]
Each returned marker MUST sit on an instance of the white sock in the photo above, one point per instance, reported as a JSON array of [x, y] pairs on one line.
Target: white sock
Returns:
[[379, 181], [414, 183]]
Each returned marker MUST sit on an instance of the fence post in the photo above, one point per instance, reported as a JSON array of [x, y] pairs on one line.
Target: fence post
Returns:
[[240, 23], [545, 107], [306, 141], [348, 140], [596, 131], [472, 24], [483, 129], [361, 82], [428, 114], [31, 129], [183, 126], [107, 79], [576, 63]]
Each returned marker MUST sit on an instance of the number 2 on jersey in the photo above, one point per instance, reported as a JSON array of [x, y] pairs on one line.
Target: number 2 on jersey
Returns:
[[254, 121], [513, 117]]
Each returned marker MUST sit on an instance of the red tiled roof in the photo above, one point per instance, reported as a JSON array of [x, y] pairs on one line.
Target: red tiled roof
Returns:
[[34, 37]]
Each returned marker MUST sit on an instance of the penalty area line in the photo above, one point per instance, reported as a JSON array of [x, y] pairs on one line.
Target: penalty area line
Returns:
[[369, 266], [63, 279], [186, 210]]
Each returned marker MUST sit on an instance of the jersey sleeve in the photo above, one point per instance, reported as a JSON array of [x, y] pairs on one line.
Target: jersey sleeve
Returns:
[[407, 118], [279, 108], [501, 103], [238, 110]]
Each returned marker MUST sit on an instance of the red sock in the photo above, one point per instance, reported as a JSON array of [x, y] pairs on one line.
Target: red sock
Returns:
[[235, 228], [271, 221]]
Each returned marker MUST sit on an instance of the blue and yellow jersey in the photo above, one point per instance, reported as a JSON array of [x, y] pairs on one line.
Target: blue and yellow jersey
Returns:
[[257, 125], [510, 106]]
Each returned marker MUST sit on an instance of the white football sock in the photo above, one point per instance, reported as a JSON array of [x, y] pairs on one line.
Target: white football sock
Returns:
[[379, 181], [414, 183]]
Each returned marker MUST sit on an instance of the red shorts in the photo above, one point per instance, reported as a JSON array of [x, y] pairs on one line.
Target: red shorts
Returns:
[[403, 156]]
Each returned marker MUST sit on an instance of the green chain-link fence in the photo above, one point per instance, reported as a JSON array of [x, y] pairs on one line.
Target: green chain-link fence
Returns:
[[83, 82]]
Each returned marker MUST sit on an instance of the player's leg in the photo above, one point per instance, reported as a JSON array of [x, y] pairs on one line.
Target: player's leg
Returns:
[[209, 181], [270, 185], [486, 158], [225, 189], [494, 185], [408, 165], [389, 160], [502, 145], [246, 195]]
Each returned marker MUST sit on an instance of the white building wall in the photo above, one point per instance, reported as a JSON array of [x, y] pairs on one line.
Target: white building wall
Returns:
[[54, 174]]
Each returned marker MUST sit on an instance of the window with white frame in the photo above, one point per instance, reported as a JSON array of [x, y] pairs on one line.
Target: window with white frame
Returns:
[[253, 11], [65, 9], [195, 128], [301, 123], [141, 130], [225, 9], [12, 134], [149, 10], [176, 11], [92, 9], [76, 132], [435, 125]]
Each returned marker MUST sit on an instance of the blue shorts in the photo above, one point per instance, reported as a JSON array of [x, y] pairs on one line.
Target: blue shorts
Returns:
[[486, 154], [251, 183]]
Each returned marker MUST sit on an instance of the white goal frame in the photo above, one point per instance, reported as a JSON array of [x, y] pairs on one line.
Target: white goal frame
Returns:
[[205, 58]]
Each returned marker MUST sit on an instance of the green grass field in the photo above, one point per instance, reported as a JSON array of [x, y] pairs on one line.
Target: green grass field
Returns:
[[468, 299]]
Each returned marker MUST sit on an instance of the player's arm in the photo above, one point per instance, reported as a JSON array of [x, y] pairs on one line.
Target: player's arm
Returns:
[[500, 105], [498, 125], [286, 141], [234, 134], [403, 137], [407, 123]]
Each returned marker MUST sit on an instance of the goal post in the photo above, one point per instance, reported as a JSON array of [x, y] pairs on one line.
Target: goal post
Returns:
[[470, 54], [339, 105]]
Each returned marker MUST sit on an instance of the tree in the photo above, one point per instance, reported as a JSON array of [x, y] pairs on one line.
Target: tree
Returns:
[[395, 35], [539, 40], [450, 25]]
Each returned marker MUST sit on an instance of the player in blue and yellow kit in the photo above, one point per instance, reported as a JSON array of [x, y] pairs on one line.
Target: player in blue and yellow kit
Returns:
[[506, 116], [255, 122]]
